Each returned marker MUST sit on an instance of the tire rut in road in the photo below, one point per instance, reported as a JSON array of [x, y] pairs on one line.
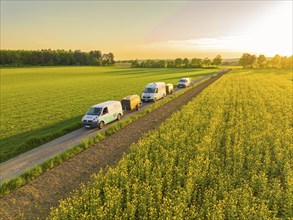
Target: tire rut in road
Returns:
[[37, 197]]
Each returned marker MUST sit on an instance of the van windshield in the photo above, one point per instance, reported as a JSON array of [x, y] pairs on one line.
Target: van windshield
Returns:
[[183, 80], [94, 111], [149, 90]]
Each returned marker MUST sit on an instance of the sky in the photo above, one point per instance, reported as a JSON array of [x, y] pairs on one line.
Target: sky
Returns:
[[150, 29]]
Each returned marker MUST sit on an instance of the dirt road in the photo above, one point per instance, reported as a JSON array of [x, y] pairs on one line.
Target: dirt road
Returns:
[[35, 198]]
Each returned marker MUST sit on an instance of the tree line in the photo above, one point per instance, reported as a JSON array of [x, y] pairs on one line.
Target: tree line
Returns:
[[50, 57], [252, 61], [178, 63]]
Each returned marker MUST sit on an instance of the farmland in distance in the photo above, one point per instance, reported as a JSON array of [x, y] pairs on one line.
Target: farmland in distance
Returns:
[[38, 104], [225, 155]]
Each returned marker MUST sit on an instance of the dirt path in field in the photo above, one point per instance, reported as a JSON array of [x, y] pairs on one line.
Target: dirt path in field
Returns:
[[37, 197]]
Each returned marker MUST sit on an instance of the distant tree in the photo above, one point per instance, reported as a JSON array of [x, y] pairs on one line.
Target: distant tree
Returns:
[[108, 59], [196, 63], [148, 63], [290, 62], [280, 62], [178, 62], [276, 61], [162, 63], [284, 62], [95, 57], [217, 60], [185, 62], [170, 63], [261, 61], [7, 57], [135, 64], [247, 60], [155, 64], [207, 62], [111, 56], [78, 58], [96, 54], [48, 57]]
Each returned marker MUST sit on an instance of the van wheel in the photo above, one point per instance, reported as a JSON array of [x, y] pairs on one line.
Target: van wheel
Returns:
[[136, 107], [119, 117], [101, 125], [171, 91]]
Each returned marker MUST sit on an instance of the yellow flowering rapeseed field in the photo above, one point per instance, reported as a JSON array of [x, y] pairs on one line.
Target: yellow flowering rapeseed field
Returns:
[[225, 155]]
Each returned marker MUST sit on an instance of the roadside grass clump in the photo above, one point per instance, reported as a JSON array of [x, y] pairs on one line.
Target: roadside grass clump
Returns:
[[39, 104], [225, 155], [33, 173]]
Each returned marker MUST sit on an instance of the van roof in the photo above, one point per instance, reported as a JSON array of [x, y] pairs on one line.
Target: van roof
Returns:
[[107, 103]]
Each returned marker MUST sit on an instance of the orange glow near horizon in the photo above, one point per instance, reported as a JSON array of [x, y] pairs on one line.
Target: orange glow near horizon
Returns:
[[175, 29]]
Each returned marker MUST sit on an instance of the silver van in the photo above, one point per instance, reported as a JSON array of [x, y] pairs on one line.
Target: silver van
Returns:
[[153, 92], [101, 114], [184, 82]]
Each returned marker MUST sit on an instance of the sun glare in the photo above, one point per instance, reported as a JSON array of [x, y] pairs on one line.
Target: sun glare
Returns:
[[272, 34]]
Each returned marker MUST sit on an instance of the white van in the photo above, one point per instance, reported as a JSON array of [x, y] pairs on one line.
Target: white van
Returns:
[[103, 113], [184, 82], [154, 91]]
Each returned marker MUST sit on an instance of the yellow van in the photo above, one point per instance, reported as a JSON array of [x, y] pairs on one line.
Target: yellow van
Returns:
[[131, 102], [169, 88]]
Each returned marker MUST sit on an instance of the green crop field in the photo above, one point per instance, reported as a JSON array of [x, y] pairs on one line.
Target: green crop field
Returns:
[[225, 155], [39, 104]]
